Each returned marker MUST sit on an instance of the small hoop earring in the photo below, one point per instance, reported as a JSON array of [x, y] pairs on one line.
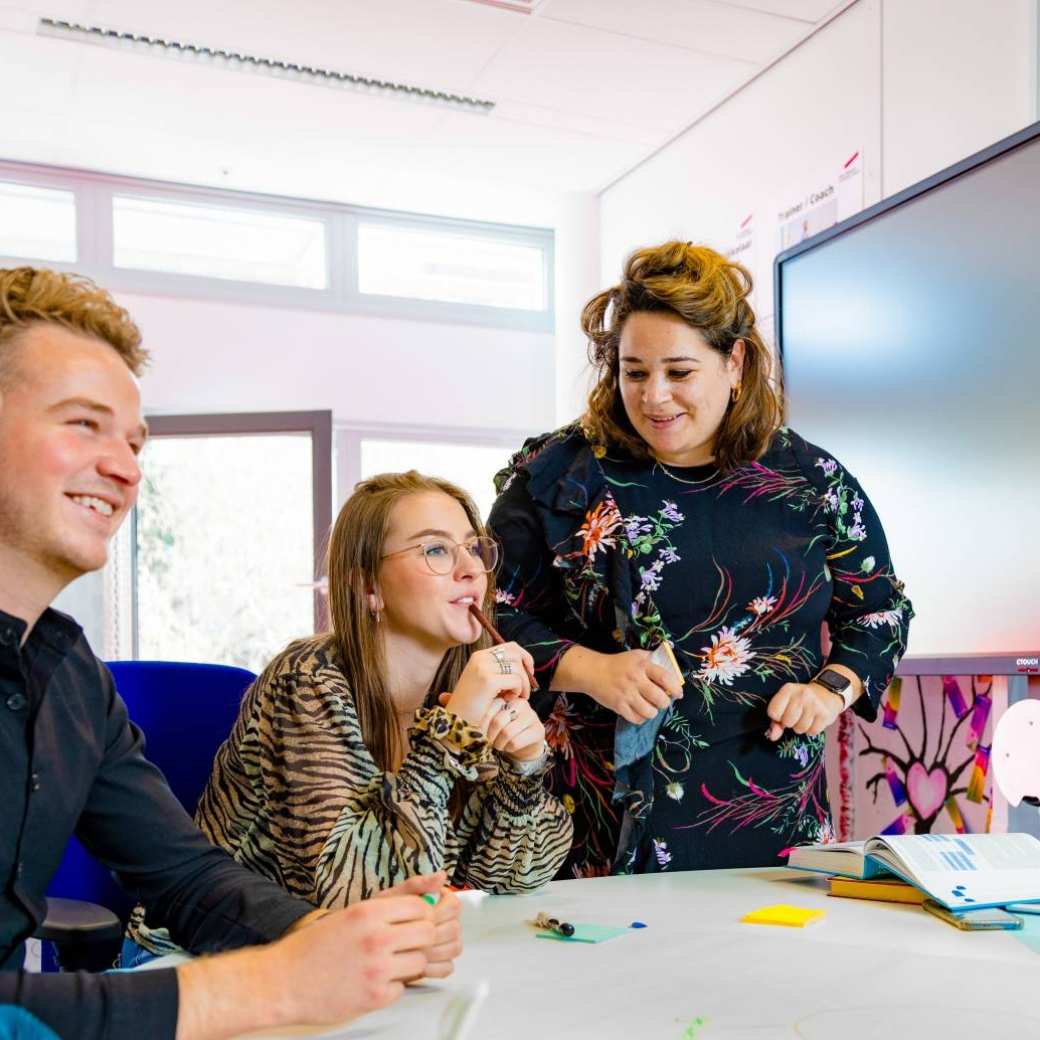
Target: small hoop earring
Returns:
[[734, 394], [375, 616]]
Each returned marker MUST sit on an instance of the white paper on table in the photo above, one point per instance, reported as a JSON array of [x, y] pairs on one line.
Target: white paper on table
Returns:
[[431, 1011]]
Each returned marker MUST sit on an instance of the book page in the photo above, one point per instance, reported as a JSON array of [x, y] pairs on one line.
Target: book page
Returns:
[[965, 871]]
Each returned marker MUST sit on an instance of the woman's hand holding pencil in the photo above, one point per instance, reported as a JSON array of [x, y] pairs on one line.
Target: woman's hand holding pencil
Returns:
[[497, 673], [496, 636], [493, 693]]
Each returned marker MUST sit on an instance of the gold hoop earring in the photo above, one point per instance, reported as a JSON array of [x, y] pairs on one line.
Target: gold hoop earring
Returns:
[[734, 394]]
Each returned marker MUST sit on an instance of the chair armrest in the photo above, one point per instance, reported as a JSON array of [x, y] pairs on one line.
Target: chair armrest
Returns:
[[73, 920]]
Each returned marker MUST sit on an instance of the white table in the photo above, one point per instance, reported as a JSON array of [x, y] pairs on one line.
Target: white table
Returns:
[[868, 970]]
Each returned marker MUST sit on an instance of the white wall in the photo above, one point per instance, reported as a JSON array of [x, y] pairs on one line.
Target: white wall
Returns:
[[224, 357], [577, 279], [914, 85]]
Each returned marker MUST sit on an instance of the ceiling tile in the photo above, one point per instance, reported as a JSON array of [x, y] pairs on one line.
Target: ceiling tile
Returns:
[[579, 70], [699, 25], [804, 10], [300, 139], [577, 104]]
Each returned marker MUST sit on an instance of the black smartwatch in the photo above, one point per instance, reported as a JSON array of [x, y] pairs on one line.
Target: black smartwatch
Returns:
[[837, 683]]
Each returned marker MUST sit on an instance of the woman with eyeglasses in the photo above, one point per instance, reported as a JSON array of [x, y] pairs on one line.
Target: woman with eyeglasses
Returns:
[[401, 742]]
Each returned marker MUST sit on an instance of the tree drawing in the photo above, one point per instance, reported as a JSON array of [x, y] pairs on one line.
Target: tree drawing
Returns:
[[948, 759]]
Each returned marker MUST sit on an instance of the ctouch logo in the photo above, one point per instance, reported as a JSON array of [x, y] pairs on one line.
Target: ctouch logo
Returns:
[[1028, 664]]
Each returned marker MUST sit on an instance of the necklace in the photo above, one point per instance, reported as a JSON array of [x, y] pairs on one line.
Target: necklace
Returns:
[[689, 482]]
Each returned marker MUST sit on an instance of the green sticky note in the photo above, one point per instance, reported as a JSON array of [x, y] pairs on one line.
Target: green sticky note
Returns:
[[586, 933], [1029, 934]]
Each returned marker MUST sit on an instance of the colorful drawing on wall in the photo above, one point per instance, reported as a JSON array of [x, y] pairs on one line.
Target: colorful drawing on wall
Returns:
[[928, 758]]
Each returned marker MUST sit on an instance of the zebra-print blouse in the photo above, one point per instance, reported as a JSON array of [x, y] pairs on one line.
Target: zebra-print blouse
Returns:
[[296, 796]]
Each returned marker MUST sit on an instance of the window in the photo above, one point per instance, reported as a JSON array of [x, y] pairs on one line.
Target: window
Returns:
[[37, 223], [428, 263], [471, 466], [148, 237], [246, 245], [226, 541]]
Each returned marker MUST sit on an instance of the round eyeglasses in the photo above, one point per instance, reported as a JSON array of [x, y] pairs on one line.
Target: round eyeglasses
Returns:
[[442, 554]]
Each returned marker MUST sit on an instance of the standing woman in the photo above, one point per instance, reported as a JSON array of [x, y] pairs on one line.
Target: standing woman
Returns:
[[679, 508]]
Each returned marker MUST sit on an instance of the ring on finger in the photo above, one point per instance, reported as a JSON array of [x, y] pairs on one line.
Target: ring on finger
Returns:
[[505, 666]]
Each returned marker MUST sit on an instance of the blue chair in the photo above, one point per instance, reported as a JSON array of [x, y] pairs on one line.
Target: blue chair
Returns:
[[186, 711]]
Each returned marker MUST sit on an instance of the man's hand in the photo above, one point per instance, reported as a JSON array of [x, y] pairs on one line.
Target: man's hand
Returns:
[[341, 965], [355, 960], [805, 708], [447, 939]]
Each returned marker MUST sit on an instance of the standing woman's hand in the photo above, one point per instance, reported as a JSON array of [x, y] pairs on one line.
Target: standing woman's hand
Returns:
[[805, 708], [499, 671], [626, 682]]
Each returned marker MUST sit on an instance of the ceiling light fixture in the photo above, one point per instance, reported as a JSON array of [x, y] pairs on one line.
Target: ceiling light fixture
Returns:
[[201, 55]]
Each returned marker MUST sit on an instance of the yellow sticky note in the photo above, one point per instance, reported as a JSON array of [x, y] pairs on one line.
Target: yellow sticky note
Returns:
[[784, 914]]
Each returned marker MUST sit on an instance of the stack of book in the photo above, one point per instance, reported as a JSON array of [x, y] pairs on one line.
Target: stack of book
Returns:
[[883, 890], [959, 871]]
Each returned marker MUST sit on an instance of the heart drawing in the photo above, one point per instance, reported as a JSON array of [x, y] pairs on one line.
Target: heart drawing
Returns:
[[926, 791]]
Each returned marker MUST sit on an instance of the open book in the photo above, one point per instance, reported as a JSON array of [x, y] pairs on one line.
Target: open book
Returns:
[[961, 871]]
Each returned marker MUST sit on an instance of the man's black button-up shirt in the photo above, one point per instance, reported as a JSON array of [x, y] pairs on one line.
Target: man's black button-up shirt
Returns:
[[72, 762]]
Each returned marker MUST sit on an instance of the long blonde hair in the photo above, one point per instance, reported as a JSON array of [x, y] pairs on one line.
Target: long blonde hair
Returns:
[[353, 560], [709, 293]]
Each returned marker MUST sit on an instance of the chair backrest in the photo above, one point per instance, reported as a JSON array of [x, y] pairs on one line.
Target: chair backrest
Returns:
[[186, 711]]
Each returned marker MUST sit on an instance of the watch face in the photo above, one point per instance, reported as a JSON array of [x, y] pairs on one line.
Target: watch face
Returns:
[[834, 681]]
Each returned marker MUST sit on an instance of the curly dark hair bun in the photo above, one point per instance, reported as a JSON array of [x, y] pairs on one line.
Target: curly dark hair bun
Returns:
[[708, 292]]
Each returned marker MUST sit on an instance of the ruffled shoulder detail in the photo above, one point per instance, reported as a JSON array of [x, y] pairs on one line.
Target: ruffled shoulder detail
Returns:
[[561, 470]]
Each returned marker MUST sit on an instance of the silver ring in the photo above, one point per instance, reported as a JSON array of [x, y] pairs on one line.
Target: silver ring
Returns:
[[505, 666], [502, 706], [512, 714]]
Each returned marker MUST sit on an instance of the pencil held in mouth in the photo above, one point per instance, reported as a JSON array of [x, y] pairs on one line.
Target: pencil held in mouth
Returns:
[[485, 623], [497, 637]]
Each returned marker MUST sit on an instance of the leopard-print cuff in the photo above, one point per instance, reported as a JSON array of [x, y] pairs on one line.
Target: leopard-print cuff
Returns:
[[465, 746]]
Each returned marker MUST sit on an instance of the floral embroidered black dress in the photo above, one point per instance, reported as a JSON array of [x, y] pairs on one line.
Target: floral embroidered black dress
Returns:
[[739, 571]]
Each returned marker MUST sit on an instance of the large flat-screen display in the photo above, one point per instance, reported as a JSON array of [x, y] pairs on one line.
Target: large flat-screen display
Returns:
[[910, 343]]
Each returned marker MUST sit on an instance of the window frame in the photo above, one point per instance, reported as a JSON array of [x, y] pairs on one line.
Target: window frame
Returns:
[[316, 424], [425, 310], [94, 194], [34, 177]]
